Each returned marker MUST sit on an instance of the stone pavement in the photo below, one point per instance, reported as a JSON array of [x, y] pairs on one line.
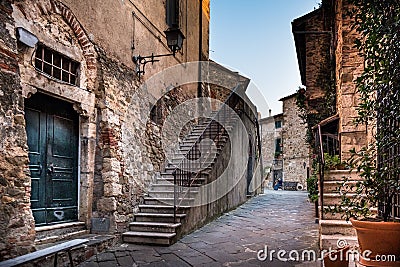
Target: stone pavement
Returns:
[[277, 220]]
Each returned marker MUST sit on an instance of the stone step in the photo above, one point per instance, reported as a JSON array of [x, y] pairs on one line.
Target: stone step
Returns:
[[159, 217], [169, 180], [161, 208], [176, 162], [339, 216], [194, 168], [155, 238], [331, 241], [167, 201], [330, 199], [192, 141], [337, 175], [336, 227], [196, 183], [169, 193], [154, 227], [332, 186]]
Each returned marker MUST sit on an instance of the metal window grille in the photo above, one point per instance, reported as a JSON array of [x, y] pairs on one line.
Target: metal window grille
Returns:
[[56, 65]]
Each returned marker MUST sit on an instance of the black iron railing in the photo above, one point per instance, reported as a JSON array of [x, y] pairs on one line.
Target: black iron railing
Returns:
[[388, 147], [196, 161]]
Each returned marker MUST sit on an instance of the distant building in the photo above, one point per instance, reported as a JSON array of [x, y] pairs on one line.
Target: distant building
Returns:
[[284, 147], [271, 132], [295, 148]]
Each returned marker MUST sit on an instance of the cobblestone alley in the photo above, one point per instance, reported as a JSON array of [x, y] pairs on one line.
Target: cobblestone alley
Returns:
[[278, 220]]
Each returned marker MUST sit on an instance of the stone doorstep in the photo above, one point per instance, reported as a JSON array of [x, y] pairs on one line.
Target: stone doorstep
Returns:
[[335, 227], [331, 241], [57, 232], [97, 243]]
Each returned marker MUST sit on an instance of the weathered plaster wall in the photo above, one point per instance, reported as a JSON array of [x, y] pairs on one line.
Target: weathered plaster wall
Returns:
[[295, 147], [16, 221], [112, 25]]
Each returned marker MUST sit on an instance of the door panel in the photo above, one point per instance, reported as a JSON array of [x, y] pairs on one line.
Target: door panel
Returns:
[[36, 132], [53, 142]]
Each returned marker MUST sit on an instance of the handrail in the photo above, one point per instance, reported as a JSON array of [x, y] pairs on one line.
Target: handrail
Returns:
[[180, 165], [321, 171]]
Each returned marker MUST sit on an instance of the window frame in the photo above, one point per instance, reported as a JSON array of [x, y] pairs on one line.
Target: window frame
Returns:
[[65, 71]]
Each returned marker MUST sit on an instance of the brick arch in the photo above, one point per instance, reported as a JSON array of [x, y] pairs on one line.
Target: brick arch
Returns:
[[49, 7]]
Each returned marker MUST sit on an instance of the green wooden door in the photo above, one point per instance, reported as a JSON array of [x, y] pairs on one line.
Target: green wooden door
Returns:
[[52, 130]]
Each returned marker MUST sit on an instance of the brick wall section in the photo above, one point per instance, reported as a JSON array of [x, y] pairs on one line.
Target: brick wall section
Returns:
[[295, 148], [16, 221]]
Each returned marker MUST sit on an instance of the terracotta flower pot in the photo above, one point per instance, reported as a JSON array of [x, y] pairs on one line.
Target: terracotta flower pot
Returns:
[[337, 259], [381, 238]]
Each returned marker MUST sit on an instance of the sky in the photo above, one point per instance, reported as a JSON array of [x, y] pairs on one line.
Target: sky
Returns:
[[255, 38]]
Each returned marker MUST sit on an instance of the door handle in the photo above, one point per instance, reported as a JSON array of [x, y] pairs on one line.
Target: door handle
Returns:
[[50, 169]]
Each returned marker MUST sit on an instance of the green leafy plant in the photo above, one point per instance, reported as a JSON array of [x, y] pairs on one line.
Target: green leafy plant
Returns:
[[332, 162], [312, 182]]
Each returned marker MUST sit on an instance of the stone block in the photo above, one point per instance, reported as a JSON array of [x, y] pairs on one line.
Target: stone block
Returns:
[[110, 177], [112, 189], [107, 204]]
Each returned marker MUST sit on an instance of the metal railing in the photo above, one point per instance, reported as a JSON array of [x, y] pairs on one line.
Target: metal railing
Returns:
[[195, 162]]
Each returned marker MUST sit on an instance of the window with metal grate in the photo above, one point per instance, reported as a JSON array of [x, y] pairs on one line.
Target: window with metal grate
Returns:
[[56, 65]]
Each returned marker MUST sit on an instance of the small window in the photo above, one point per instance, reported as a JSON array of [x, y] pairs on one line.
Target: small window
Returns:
[[278, 145], [56, 65], [278, 124]]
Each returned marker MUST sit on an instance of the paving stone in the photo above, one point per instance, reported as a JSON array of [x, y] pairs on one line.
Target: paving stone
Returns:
[[89, 264], [107, 256], [173, 260], [278, 219], [125, 261]]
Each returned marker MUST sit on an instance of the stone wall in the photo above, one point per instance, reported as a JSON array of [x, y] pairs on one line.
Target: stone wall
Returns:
[[267, 126], [295, 147], [318, 61], [16, 221], [349, 66]]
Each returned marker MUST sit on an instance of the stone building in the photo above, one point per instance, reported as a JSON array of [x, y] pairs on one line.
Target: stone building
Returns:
[[295, 148], [271, 131], [329, 65], [81, 138], [285, 151]]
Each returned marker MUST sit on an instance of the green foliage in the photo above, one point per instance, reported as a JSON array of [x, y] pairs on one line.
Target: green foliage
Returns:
[[312, 182], [378, 23], [332, 162]]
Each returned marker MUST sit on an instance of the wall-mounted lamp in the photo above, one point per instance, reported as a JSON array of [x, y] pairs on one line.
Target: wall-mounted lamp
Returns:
[[174, 41], [26, 37]]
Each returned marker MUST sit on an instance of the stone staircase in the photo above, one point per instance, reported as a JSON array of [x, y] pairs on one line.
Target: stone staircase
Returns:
[[155, 223], [333, 227]]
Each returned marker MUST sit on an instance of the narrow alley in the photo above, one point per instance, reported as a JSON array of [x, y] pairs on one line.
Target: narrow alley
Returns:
[[276, 220]]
